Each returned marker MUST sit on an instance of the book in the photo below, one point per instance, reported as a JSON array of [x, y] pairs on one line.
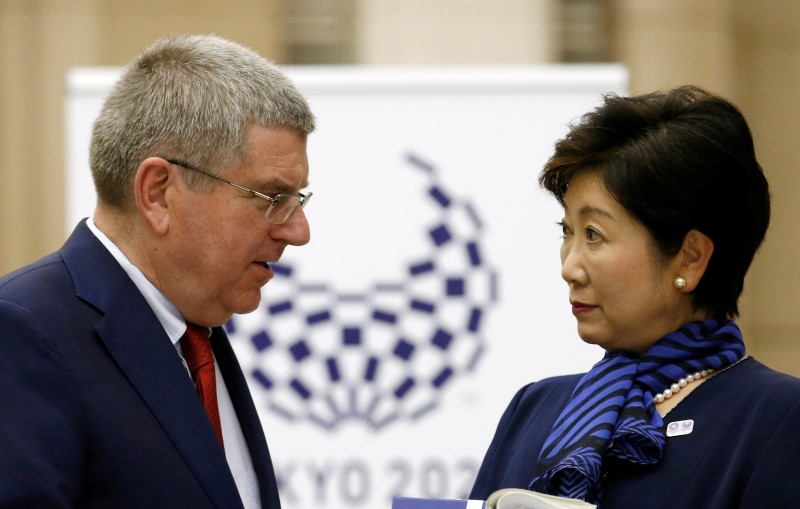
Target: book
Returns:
[[509, 498], [515, 498]]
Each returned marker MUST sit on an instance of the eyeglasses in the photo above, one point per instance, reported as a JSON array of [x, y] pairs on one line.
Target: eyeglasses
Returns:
[[281, 206]]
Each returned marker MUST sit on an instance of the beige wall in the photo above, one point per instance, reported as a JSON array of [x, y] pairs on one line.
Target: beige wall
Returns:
[[769, 55], [476, 32], [746, 50], [750, 52], [39, 41]]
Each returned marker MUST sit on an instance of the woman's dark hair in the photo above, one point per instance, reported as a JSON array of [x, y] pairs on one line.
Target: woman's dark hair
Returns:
[[677, 160]]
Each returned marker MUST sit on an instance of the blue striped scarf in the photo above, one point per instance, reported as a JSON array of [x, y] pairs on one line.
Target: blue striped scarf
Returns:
[[611, 412]]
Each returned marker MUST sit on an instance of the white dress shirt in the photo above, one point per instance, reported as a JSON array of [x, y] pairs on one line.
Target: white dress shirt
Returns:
[[236, 452]]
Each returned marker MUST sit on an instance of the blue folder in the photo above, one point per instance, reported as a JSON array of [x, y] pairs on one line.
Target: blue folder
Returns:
[[432, 503]]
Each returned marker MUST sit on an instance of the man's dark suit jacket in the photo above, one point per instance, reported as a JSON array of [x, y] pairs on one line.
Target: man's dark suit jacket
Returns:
[[96, 408]]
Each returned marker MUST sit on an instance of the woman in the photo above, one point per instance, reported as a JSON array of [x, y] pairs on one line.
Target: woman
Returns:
[[665, 206]]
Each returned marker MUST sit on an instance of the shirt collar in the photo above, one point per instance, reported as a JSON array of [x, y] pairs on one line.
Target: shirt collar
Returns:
[[168, 315]]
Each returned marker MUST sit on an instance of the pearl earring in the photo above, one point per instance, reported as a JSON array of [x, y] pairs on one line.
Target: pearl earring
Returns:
[[680, 282]]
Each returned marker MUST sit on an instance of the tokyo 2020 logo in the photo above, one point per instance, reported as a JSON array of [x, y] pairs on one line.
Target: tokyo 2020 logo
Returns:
[[385, 354]]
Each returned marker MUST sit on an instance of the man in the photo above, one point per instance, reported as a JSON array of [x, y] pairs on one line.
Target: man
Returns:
[[199, 158]]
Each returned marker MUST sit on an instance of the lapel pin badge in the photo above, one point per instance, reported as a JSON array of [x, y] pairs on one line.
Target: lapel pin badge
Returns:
[[679, 428]]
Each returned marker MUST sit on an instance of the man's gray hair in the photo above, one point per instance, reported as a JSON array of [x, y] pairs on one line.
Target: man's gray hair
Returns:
[[191, 98]]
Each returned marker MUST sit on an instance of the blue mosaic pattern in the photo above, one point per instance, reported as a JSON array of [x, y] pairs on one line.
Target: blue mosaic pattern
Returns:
[[415, 338]]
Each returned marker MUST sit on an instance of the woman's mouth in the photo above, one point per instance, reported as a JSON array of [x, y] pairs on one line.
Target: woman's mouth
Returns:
[[579, 308]]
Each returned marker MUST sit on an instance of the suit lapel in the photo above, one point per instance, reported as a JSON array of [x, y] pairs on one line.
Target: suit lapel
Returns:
[[248, 418], [142, 350]]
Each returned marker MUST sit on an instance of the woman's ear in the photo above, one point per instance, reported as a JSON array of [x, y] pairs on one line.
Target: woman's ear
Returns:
[[693, 258], [153, 181]]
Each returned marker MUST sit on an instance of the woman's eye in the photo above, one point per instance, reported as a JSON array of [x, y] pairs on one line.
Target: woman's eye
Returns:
[[565, 231], [592, 235]]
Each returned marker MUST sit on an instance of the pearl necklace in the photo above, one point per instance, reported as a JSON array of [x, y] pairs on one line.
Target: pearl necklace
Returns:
[[683, 382], [680, 384]]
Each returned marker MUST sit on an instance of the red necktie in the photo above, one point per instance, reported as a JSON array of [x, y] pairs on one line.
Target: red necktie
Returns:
[[196, 346]]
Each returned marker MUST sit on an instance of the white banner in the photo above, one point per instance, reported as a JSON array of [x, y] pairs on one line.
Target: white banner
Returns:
[[385, 351]]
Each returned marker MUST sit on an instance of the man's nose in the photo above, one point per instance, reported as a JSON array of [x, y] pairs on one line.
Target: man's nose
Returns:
[[295, 231]]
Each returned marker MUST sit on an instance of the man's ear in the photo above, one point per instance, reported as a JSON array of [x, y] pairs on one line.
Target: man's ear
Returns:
[[154, 181], [693, 258]]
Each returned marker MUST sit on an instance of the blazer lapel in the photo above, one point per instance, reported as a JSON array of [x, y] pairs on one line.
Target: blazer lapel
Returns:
[[142, 350], [248, 418]]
